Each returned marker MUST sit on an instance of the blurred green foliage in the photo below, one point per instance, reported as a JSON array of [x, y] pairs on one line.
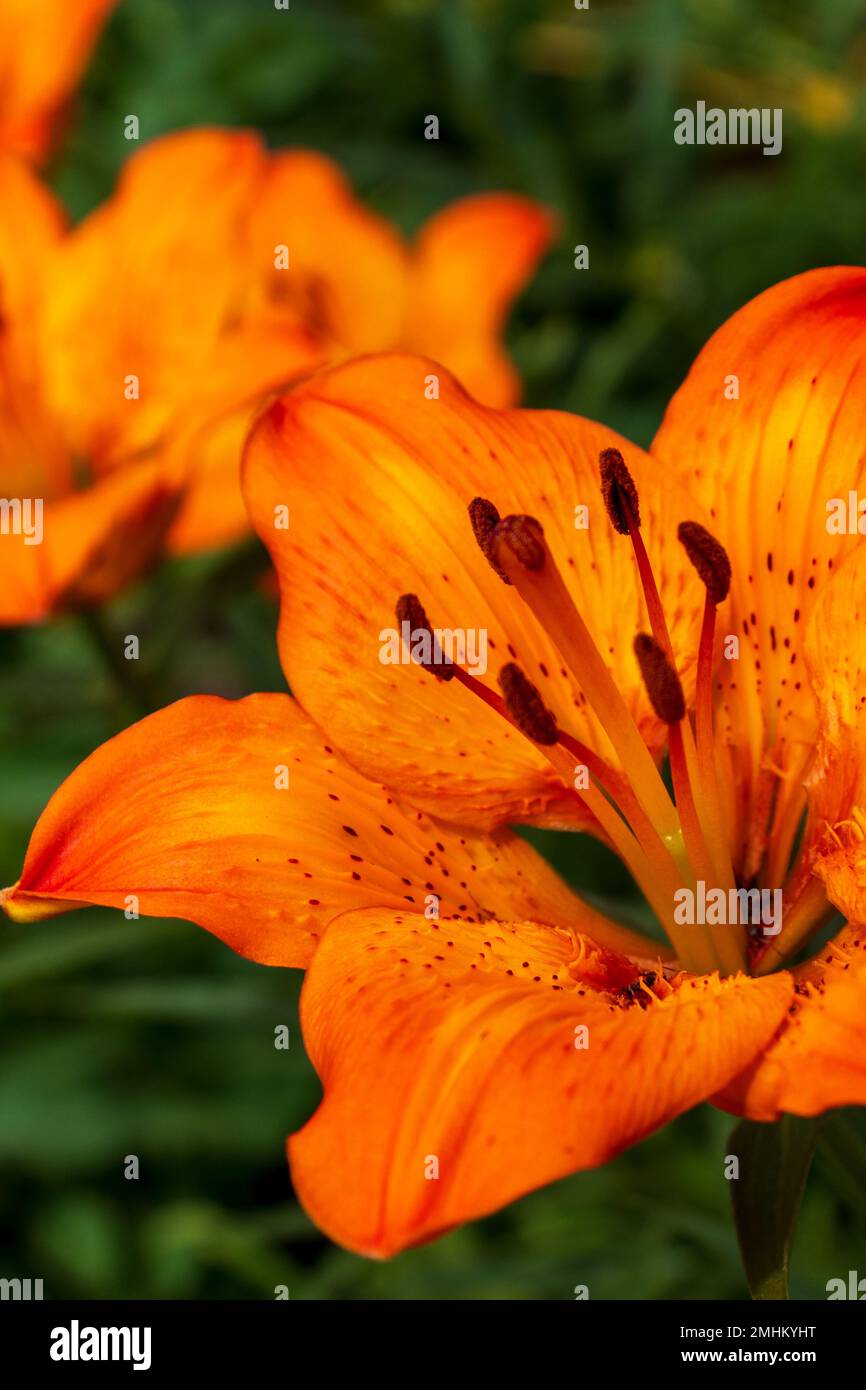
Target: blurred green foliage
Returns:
[[151, 1038]]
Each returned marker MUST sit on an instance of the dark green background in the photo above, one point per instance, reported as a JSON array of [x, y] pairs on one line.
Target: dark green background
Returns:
[[151, 1038]]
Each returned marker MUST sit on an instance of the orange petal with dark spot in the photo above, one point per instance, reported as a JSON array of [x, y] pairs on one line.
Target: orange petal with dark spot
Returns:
[[464, 1065], [239, 816], [765, 432]]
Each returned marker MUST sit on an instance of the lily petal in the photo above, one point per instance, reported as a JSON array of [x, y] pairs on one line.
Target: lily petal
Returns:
[[179, 290], [766, 430], [205, 441], [835, 654], [818, 1061], [92, 544], [187, 811], [36, 463], [347, 267], [32, 223], [34, 459], [175, 368], [470, 261], [834, 839], [457, 1078], [43, 51], [377, 479]]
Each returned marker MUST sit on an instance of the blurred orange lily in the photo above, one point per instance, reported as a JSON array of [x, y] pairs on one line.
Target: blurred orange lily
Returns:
[[138, 345], [43, 51], [478, 1030]]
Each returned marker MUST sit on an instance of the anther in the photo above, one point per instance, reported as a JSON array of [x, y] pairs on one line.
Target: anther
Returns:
[[526, 707], [619, 492], [709, 558], [524, 537], [430, 656], [485, 518], [661, 680]]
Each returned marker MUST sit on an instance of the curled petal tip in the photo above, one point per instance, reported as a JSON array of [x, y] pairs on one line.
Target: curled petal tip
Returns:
[[22, 909]]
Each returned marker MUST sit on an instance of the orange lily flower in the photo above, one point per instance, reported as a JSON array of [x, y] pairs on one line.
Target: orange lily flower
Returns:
[[478, 1030], [44, 49], [138, 345]]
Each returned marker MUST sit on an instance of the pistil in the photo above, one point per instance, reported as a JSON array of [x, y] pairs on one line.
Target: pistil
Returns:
[[711, 562]]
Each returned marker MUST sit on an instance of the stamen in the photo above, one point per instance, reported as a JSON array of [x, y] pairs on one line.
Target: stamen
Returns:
[[762, 808], [659, 859], [664, 845], [661, 680], [787, 816], [623, 507], [693, 792], [650, 864], [526, 707], [649, 861], [485, 518], [653, 866], [704, 679], [619, 492], [647, 857], [530, 715], [409, 609], [614, 786], [518, 540], [709, 558]]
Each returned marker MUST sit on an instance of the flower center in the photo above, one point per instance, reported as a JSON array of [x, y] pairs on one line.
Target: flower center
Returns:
[[676, 847]]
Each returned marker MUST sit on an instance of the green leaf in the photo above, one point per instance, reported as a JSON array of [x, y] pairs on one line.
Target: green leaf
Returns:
[[774, 1162]]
